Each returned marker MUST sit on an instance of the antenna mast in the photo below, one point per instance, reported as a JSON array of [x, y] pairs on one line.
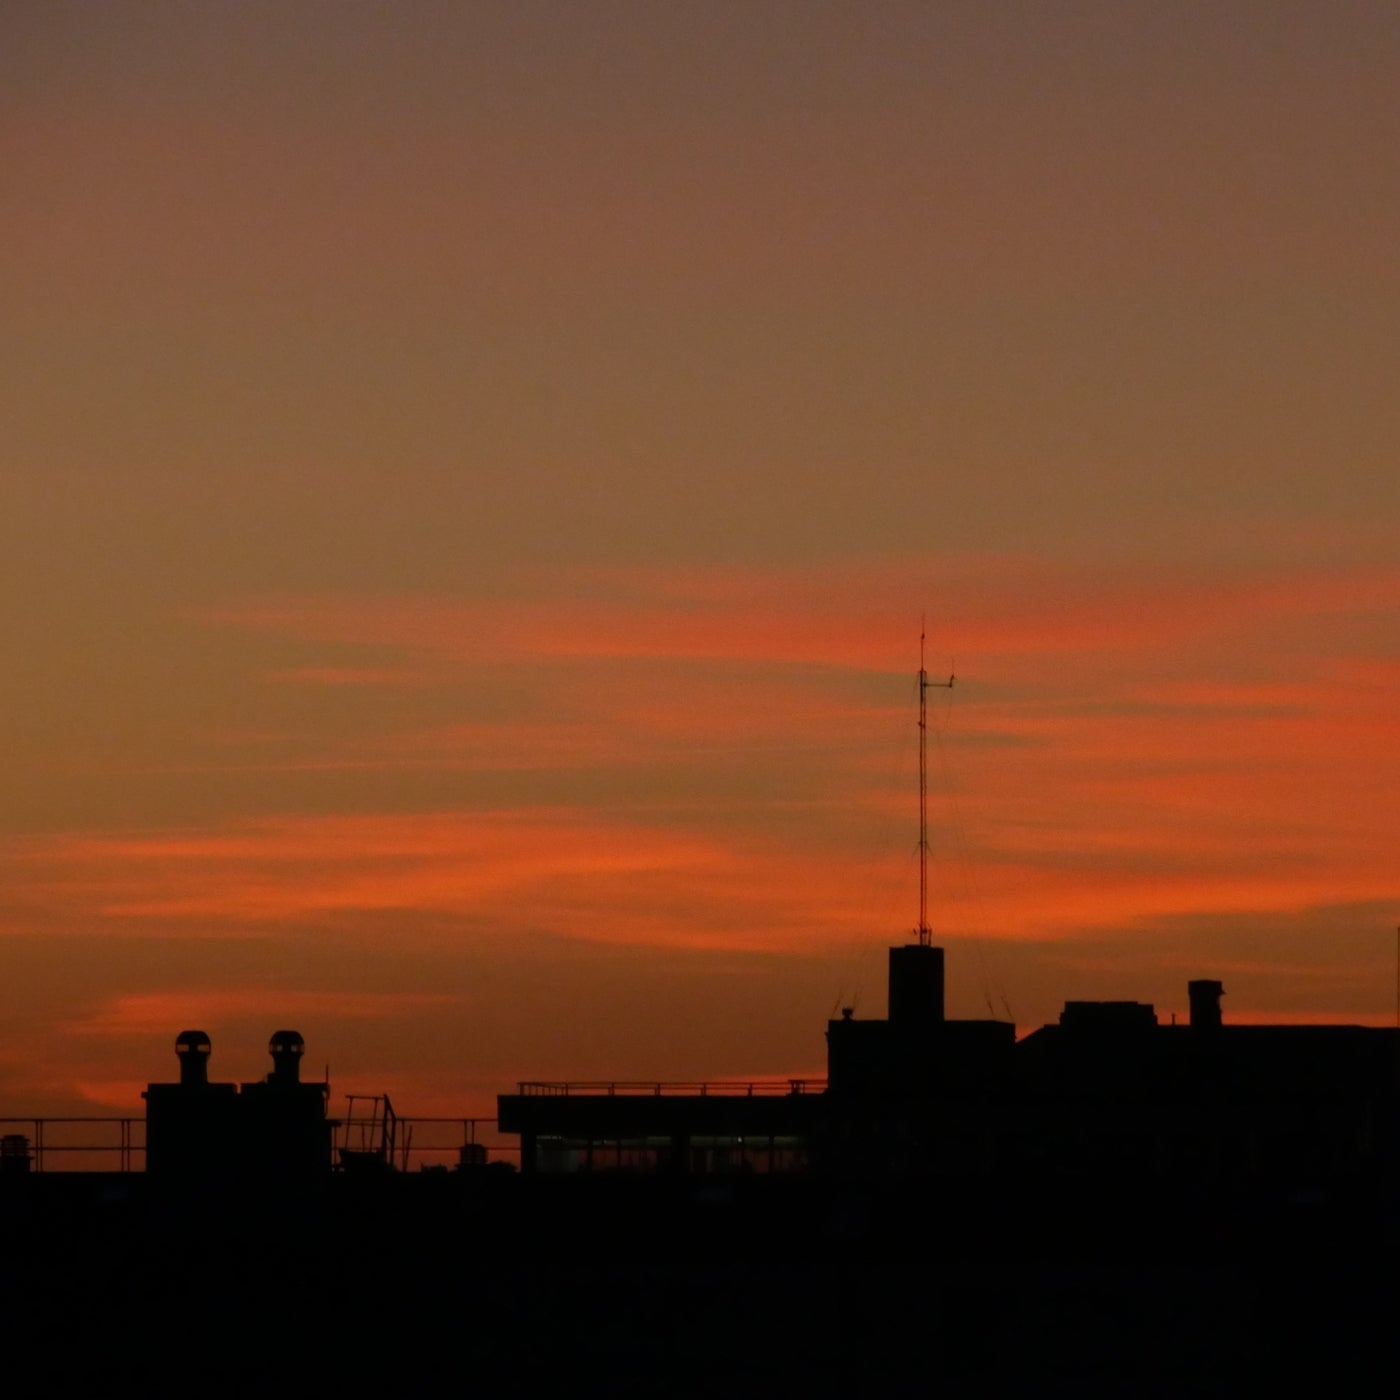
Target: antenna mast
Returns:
[[925, 933]]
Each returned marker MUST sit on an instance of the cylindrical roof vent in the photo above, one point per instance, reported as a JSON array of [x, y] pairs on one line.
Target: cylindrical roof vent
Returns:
[[286, 1049], [192, 1050], [1205, 1003]]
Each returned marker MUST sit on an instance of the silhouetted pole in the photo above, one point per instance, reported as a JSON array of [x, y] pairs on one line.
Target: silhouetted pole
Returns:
[[925, 934]]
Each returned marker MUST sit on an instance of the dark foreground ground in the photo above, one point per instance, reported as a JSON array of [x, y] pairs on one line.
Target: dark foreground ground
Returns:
[[484, 1284]]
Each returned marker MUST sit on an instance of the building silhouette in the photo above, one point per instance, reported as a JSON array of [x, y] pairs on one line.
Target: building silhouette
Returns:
[[273, 1129], [1110, 1090], [1107, 1206], [1107, 1095]]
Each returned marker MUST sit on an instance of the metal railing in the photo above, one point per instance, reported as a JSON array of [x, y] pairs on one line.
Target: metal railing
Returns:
[[119, 1144], [360, 1139], [701, 1088], [81, 1144]]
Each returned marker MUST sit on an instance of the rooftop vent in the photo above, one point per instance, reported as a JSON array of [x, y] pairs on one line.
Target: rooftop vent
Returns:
[[192, 1050], [286, 1049], [1205, 1003]]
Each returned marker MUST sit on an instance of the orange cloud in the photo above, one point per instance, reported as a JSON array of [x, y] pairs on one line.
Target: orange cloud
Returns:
[[344, 675], [721, 759], [995, 607], [154, 1013], [1127, 780]]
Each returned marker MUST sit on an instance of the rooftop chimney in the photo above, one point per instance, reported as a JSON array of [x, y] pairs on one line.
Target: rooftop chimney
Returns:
[[286, 1049], [192, 1049], [1205, 1004], [916, 986]]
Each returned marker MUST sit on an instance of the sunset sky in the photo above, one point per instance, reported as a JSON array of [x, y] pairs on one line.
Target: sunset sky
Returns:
[[473, 474]]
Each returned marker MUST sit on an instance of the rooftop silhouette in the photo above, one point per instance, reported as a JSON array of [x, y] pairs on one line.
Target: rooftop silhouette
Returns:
[[1108, 1205]]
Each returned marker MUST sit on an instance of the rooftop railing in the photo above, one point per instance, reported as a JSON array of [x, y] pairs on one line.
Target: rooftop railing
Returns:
[[702, 1088], [72, 1144], [46, 1144], [361, 1138]]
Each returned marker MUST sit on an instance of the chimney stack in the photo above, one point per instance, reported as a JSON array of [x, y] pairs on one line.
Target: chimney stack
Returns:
[[192, 1050], [916, 986], [1205, 1004], [286, 1049]]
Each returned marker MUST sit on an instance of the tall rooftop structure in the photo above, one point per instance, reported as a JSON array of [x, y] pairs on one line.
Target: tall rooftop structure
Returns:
[[924, 933]]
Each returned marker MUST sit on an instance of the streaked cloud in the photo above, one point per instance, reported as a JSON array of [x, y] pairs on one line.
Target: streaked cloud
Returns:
[[731, 753], [147, 1013]]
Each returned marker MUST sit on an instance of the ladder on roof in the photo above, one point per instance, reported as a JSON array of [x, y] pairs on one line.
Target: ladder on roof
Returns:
[[369, 1138]]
